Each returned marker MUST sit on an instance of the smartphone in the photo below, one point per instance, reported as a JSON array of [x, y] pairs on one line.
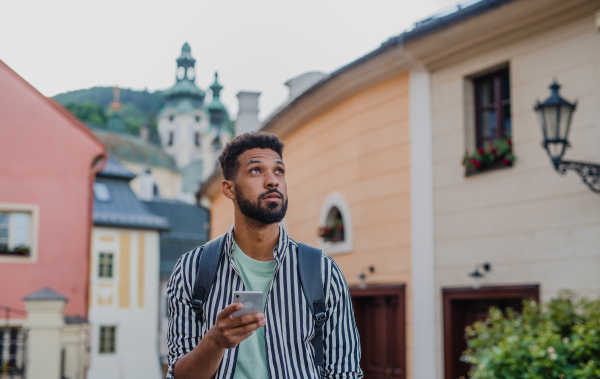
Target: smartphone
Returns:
[[251, 300]]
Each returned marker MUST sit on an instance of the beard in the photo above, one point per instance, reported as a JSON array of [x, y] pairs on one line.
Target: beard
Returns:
[[271, 213]]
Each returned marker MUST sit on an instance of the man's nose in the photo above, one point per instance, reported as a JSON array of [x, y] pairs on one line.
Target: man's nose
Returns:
[[271, 181]]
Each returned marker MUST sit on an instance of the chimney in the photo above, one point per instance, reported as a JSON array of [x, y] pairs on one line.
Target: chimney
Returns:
[[144, 133], [247, 120], [146, 188], [301, 83]]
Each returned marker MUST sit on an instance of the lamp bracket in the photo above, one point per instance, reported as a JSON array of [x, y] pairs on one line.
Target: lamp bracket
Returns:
[[589, 172]]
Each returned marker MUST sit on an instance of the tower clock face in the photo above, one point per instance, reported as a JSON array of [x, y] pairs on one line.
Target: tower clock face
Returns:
[[191, 73], [180, 73]]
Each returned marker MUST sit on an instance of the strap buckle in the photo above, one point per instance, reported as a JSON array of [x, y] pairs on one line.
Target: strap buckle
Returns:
[[197, 305], [320, 318]]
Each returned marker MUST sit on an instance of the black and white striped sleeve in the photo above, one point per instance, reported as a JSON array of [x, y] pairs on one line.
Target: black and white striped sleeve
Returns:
[[183, 332], [340, 336]]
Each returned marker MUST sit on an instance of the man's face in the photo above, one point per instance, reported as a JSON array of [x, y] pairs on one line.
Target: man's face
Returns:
[[260, 188]]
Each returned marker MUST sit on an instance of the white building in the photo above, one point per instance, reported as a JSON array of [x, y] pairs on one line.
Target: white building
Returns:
[[124, 281], [192, 131]]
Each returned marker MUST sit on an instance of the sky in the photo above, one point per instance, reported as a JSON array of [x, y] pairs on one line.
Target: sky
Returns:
[[257, 45]]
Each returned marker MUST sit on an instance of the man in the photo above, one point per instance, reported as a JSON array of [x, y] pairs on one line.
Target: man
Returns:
[[258, 256]]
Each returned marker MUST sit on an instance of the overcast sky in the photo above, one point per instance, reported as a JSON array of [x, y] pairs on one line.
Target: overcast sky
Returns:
[[64, 45]]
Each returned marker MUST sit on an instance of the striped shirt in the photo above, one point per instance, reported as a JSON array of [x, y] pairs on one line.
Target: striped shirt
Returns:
[[290, 325]]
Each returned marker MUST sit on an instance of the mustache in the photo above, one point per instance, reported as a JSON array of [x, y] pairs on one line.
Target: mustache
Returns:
[[270, 192]]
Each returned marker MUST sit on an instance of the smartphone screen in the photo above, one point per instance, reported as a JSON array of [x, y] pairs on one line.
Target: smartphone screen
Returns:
[[251, 300]]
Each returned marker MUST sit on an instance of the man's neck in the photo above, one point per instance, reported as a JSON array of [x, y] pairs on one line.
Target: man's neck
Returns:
[[256, 240]]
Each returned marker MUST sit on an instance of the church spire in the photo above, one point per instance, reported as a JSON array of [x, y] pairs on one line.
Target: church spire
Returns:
[[115, 121], [216, 109], [186, 64]]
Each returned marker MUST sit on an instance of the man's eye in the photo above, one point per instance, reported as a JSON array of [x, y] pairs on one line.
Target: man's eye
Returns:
[[253, 170], [280, 170]]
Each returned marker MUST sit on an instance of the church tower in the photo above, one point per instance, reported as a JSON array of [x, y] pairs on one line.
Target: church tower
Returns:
[[183, 122]]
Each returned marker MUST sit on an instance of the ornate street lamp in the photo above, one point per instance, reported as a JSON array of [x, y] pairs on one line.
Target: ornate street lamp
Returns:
[[555, 116]]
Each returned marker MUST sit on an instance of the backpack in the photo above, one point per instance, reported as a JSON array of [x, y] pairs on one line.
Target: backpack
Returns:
[[309, 270]]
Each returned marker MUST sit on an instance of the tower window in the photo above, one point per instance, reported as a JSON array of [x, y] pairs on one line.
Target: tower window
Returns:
[[197, 138], [170, 143], [171, 118], [197, 118]]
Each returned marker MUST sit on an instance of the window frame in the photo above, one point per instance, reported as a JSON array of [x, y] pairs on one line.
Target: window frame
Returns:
[[34, 211], [497, 105], [338, 201], [111, 348], [101, 264]]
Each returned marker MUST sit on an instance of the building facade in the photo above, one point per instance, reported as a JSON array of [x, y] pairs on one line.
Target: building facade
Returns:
[[124, 280], [48, 160], [528, 230]]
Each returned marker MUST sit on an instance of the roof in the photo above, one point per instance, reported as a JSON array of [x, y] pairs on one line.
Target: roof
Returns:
[[114, 169], [65, 113], [189, 229], [134, 149], [46, 293], [185, 88], [122, 208]]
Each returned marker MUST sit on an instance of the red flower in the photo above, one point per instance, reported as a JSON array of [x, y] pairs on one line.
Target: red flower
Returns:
[[507, 162], [480, 150], [494, 150], [509, 142], [476, 163]]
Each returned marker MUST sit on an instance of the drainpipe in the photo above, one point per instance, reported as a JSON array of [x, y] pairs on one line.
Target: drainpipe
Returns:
[[98, 164]]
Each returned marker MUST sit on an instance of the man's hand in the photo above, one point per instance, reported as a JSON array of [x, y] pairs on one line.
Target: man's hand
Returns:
[[229, 331], [204, 360]]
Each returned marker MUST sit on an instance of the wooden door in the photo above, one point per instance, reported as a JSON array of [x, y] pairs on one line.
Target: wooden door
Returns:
[[464, 306], [380, 319]]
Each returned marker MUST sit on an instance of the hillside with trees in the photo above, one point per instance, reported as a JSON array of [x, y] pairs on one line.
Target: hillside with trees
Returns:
[[138, 108]]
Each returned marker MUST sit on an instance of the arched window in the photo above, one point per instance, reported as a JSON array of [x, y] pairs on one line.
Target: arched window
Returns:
[[335, 225], [333, 231]]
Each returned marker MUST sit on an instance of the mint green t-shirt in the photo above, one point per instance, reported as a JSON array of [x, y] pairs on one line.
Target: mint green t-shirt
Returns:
[[252, 355]]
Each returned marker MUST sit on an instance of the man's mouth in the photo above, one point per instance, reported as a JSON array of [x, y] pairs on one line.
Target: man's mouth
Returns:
[[273, 196]]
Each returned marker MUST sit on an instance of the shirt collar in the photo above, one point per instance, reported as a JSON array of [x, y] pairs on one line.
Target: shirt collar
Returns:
[[279, 251]]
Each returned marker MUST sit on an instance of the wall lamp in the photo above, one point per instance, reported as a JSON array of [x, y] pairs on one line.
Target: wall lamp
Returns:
[[477, 275], [555, 115], [363, 276]]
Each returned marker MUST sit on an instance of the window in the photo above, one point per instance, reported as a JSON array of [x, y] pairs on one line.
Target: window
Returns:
[[333, 231], [335, 225], [197, 138], [197, 118], [101, 192], [108, 335], [170, 143], [15, 233], [488, 123], [492, 107], [105, 265]]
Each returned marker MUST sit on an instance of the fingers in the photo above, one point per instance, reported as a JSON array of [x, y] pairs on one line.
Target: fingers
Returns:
[[229, 310]]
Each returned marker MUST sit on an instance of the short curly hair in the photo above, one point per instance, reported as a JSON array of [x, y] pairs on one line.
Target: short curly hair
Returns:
[[228, 159]]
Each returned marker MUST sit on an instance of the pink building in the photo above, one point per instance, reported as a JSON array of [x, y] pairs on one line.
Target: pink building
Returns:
[[48, 161]]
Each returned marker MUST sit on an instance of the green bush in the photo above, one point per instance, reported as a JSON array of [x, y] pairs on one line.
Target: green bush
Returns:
[[560, 339]]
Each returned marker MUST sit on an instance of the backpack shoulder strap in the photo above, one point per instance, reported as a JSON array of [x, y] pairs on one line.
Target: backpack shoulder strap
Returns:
[[206, 272], [309, 267]]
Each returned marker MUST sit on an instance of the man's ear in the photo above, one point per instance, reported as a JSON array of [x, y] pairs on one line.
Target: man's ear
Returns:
[[228, 189]]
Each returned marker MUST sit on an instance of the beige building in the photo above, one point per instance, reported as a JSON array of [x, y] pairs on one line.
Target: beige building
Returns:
[[347, 150], [537, 230]]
